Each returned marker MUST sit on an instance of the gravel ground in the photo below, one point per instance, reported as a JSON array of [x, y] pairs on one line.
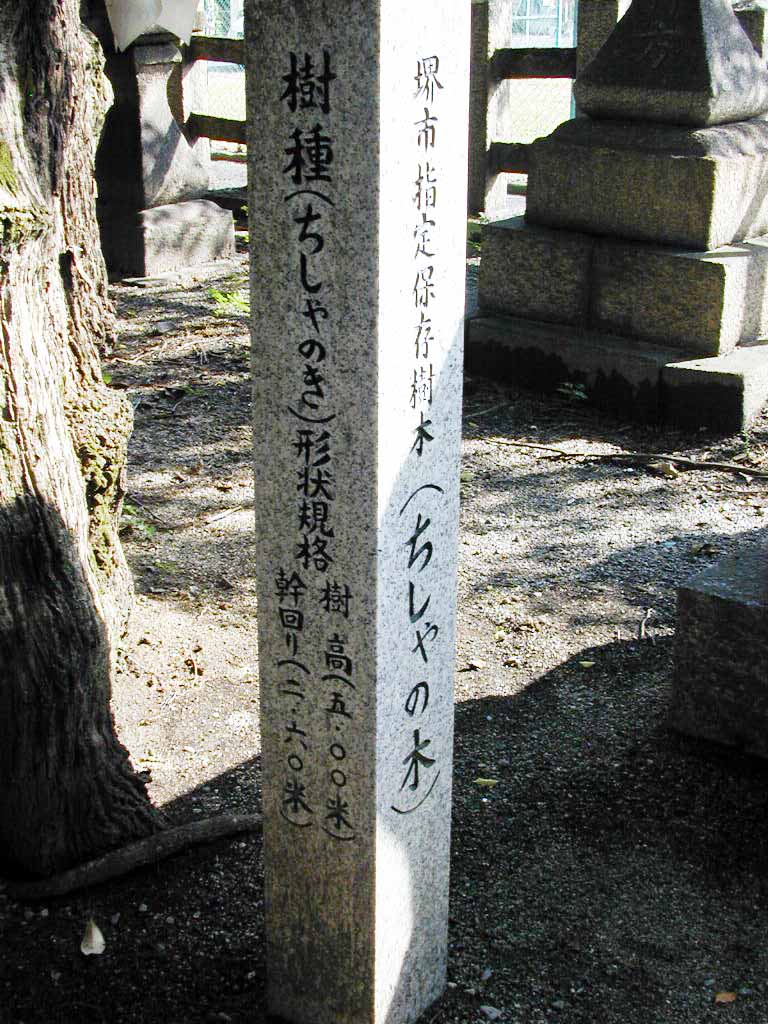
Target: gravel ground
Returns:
[[604, 869]]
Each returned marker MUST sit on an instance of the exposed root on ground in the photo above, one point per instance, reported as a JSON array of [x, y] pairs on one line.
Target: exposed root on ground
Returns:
[[136, 855]]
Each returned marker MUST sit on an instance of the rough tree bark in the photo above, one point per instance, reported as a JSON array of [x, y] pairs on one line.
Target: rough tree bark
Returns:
[[67, 792]]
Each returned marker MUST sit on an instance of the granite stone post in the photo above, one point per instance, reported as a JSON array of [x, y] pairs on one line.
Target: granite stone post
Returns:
[[492, 110], [357, 175]]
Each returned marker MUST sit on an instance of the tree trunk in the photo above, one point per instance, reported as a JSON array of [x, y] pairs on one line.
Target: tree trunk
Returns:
[[67, 791]]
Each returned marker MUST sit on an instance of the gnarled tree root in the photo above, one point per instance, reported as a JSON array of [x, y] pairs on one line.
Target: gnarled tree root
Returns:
[[136, 855]]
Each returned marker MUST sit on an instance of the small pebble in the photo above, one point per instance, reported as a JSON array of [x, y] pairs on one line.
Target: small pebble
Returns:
[[491, 1012]]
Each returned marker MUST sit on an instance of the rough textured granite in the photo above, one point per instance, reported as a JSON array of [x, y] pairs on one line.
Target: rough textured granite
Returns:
[[693, 189], [685, 63], [172, 169], [627, 376], [145, 163], [596, 20], [144, 159], [703, 303], [747, 138], [535, 272], [700, 303], [358, 185], [147, 242], [753, 18], [720, 686], [619, 375], [723, 392]]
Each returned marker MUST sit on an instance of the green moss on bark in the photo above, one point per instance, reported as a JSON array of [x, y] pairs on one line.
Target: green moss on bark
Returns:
[[17, 222], [8, 180], [102, 425]]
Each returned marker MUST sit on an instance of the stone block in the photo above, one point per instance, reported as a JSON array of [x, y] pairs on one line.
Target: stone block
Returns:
[[753, 18], [655, 183], [704, 303], [173, 170], [621, 376], [724, 393], [680, 63], [596, 20], [165, 238], [534, 272], [627, 376], [720, 683]]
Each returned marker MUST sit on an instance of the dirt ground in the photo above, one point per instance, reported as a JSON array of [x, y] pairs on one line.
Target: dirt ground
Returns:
[[610, 872]]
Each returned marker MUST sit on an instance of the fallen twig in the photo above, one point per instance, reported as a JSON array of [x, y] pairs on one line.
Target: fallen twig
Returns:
[[486, 412], [679, 460], [538, 447], [133, 500], [146, 851], [643, 457], [642, 631], [227, 512]]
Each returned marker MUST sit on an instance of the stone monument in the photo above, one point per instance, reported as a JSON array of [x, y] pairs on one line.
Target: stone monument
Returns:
[[641, 267], [151, 174], [357, 173]]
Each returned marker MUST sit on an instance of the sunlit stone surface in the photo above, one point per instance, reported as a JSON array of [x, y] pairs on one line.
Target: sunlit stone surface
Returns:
[[357, 149]]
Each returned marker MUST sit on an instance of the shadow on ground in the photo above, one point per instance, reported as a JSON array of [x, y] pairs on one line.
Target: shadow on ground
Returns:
[[603, 869]]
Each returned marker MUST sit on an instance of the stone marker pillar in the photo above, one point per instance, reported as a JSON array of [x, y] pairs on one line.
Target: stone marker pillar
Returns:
[[357, 171], [151, 175], [493, 112]]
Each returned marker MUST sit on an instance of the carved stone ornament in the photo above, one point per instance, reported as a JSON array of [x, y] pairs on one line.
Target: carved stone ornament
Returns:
[[683, 62], [132, 18]]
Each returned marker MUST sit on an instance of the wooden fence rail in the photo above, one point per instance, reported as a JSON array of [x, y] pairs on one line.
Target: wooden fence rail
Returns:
[[536, 62], [224, 51], [509, 157], [222, 129], [216, 48]]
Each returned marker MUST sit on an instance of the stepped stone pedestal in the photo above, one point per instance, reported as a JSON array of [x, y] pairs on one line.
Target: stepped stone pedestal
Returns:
[[151, 177], [655, 183], [699, 302], [645, 238]]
